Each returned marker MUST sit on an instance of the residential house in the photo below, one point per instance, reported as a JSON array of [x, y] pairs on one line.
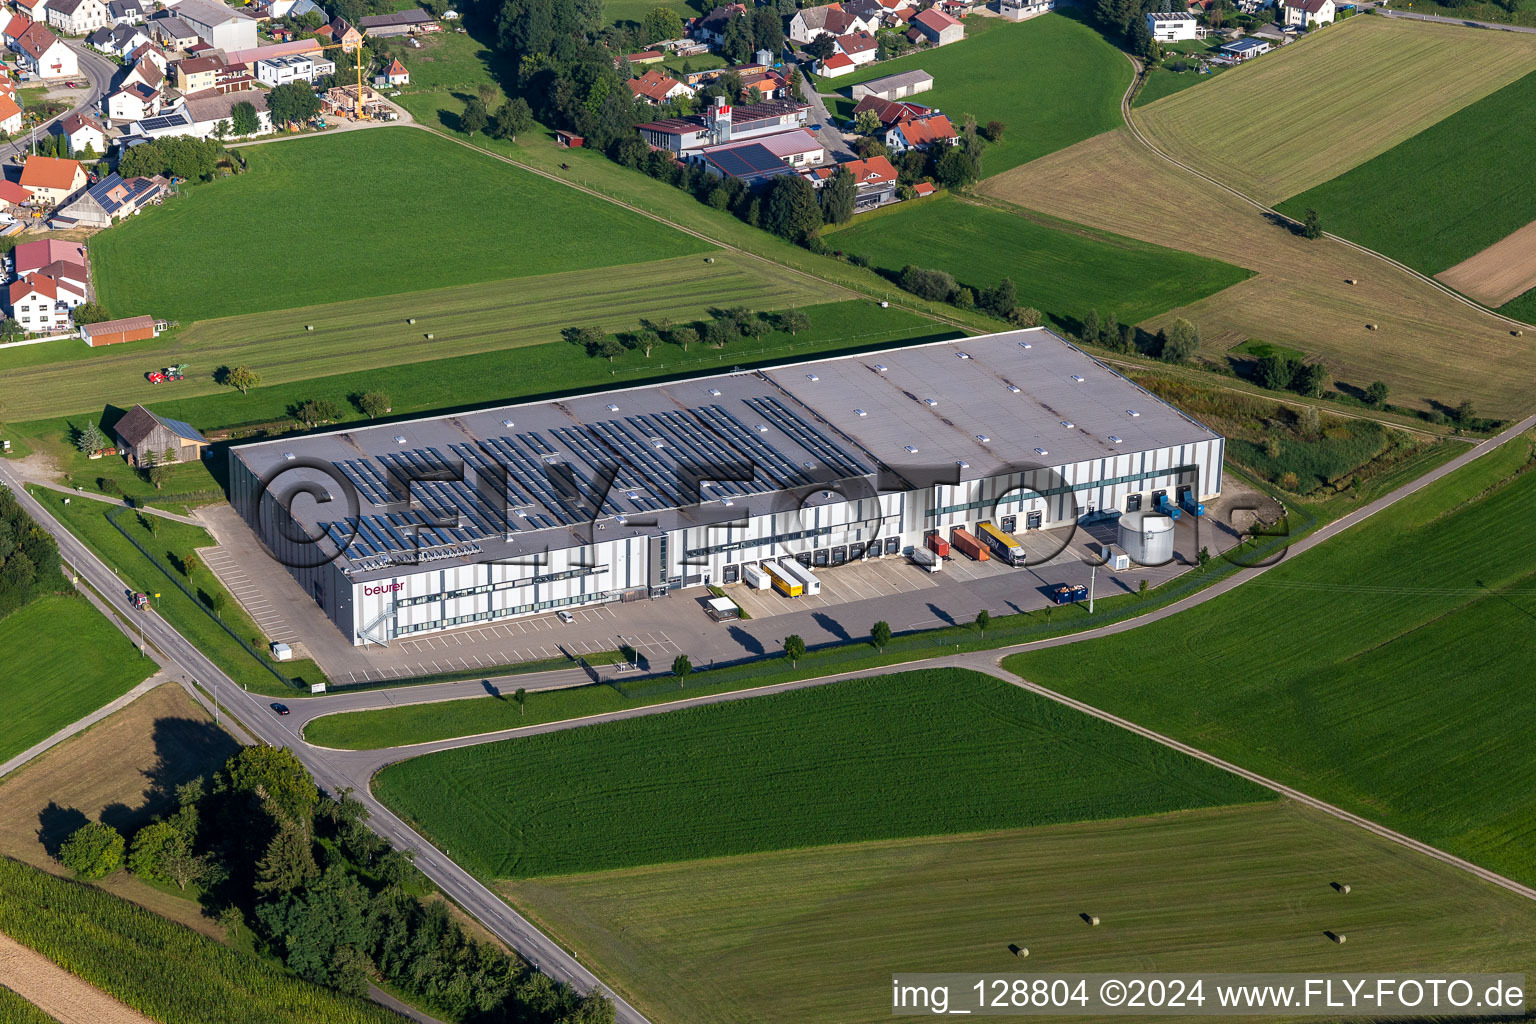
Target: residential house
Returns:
[[750, 162], [402, 23], [275, 71], [196, 74], [894, 87], [68, 282], [144, 438], [859, 47], [45, 55], [173, 33], [10, 116], [768, 85], [77, 17], [836, 66], [218, 25], [13, 197], [233, 78], [145, 73], [15, 27], [346, 36], [115, 332], [126, 12], [83, 132], [117, 40], [889, 112], [830, 20], [110, 200], [152, 54], [51, 180], [710, 29], [31, 257], [656, 88], [1172, 26], [921, 133], [722, 123], [33, 10], [1308, 13], [34, 304], [1245, 49], [876, 179], [396, 74], [937, 27], [286, 9], [797, 148], [1023, 10], [134, 103]]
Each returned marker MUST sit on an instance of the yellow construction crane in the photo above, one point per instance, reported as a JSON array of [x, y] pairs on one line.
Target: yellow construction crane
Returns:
[[357, 111]]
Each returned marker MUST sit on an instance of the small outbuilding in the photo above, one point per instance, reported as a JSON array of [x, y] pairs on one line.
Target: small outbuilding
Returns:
[[144, 439], [115, 332]]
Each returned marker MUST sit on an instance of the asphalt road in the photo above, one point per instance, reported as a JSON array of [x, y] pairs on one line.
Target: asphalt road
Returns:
[[97, 70], [338, 770], [1392, 12], [253, 711]]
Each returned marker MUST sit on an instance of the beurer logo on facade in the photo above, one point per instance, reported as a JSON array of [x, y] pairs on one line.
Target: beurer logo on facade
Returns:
[[388, 588]]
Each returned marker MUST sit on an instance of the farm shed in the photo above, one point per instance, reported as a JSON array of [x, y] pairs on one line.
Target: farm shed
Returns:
[[115, 332], [143, 438]]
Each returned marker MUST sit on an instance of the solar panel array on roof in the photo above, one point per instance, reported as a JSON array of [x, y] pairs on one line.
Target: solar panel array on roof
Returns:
[[750, 162], [164, 122]]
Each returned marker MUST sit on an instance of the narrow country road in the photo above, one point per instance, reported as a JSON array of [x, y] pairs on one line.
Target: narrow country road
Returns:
[[1494, 25], [338, 770], [94, 68]]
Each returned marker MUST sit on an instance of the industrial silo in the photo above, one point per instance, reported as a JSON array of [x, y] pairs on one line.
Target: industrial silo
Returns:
[[1147, 537]]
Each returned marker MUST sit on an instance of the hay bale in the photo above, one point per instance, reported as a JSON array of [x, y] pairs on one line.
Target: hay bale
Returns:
[[411, 320], [1370, 327], [1091, 919], [309, 327], [429, 337], [1338, 938], [1518, 333], [1350, 280], [1340, 887]]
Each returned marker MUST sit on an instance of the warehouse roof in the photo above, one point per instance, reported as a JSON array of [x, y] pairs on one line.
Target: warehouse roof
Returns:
[[974, 406]]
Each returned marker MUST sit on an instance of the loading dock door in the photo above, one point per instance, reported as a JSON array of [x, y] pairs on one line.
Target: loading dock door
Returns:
[[1034, 520], [1009, 524], [1133, 503]]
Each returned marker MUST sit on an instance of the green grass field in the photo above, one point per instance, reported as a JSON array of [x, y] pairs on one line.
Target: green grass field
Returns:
[[361, 214], [500, 375], [493, 317], [1447, 193], [1383, 671], [63, 661], [1353, 91], [1059, 268], [812, 936], [919, 753], [1052, 80], [1162, 82], [170, 542]]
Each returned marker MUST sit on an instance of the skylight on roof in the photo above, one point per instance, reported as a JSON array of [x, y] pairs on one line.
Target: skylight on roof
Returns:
[[399, 439], [1068, 424], [715, 392], [507, 424], [612, 407], [1077, 378], [1113, 439], [1014, 388], [860, 412], [1041, 451], [983, 438], [880, 367], [1133, 412], [289, 456], [812, 376], [1025, 344], [911, 449]]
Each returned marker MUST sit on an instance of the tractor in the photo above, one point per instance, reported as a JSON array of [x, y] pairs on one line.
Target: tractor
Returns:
[[177, 372]]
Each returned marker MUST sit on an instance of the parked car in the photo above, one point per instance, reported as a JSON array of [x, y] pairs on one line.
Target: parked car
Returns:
[[565, 616]]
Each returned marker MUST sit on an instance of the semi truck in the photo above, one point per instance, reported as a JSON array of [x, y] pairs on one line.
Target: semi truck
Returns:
[[1004, 545], [810, 586], [937, 544], [782, 581], [967, 545], [755, 578], [927, 559]]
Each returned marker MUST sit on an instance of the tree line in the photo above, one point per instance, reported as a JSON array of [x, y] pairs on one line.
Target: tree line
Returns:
[[29, 558], [323, 894], [725, 325]]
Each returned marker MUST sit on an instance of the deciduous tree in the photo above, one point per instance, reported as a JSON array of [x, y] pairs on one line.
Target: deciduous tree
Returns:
[[94, 850], [880, 635], [794, 648]]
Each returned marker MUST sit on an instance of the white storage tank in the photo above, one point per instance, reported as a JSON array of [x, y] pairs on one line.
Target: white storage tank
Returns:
[[1147, 537]]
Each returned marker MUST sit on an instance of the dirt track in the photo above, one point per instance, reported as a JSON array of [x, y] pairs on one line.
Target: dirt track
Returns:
[[56, 992], [1501, 272]]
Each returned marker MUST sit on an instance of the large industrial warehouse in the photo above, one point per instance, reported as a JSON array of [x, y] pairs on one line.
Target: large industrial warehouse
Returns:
[[430, 524]]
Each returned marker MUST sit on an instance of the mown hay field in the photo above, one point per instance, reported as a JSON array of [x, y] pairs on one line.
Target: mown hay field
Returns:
[[918, 753], [370, 333], [1446, 195], [812, 936], [1296, 118], [1382, 671], [1427, 346]]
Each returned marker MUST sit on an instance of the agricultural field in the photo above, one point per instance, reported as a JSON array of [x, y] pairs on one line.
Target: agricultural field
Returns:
[[1373, 672], [1427, 347], [1163, 82], [63, 661], [16, 1010], [356, 207], [918, 753], [1445, 196], [1353, 91], [1052, 80], [359, 334], [1059, 268], [813, 935], [123, 770], [167, 972]]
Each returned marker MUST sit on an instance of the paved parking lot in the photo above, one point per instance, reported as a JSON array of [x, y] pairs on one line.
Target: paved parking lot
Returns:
[[853, 597]]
